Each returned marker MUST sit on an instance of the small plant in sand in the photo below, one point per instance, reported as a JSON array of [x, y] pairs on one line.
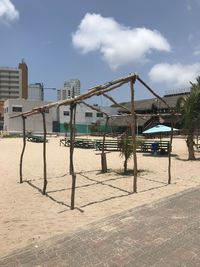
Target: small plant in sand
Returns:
[[126, 149]]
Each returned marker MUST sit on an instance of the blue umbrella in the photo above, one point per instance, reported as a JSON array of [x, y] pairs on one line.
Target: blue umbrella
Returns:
[[160, 129]]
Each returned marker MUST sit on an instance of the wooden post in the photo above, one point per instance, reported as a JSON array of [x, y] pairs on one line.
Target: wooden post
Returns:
[[23, 149], [71, 170], [44, 152], [73, 191], [133, 125], [169, 155], [72, 138], [103, 154]]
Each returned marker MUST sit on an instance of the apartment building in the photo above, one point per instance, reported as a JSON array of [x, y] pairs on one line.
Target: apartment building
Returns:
[[36, 91], [14, 82], [71, 88]]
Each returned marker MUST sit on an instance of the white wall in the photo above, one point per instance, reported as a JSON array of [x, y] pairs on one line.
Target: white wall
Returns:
[[34, 123], [81, 109]]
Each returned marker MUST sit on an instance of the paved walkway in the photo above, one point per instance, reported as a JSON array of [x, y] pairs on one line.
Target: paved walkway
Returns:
[[165, 234]]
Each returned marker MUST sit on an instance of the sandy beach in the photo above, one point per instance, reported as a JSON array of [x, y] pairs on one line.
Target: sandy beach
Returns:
[[28, 217]]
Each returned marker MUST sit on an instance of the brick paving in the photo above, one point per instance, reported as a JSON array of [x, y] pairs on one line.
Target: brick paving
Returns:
[[164, 234]]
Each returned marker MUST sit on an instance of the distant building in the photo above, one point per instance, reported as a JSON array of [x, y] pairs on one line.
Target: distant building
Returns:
[[86, 118], [36, 92], [71, 88], [1, 113], [14, 82], [34, 123]]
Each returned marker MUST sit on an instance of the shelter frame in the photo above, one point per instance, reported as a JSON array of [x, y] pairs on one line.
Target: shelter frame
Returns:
[[94, 91]]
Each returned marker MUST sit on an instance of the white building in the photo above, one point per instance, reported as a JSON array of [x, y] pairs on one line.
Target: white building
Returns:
[[34, 123], [14, 82], [85, 118], [36, 92], [57, 119], [71, 88]]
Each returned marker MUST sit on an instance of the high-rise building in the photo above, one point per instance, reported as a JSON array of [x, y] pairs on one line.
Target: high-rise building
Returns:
[[36, 91], [71, 89], [14, 82]]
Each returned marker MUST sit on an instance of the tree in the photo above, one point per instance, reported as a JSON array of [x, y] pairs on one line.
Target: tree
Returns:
[[189, 107]]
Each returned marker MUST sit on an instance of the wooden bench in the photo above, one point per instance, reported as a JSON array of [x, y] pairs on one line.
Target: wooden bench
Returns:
[[84, 143], [112, 145], [159, 147]]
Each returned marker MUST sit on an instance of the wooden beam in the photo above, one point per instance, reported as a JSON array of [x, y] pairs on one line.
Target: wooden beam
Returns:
[[94, 108], [97, 90], [119, 105], [152, 91]]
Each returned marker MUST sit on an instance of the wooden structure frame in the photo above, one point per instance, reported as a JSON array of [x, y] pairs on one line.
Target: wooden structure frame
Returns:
[[94, 91]]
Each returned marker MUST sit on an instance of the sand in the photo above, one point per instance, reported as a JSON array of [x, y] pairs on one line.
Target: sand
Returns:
[[28, 217]]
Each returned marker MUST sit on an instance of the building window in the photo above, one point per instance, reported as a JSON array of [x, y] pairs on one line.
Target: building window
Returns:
[[88, 114], [66, 113], [99, 115], [16, 109]]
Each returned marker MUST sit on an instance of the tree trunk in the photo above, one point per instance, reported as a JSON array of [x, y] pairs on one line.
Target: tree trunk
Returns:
[[190, 146], [125, 165]]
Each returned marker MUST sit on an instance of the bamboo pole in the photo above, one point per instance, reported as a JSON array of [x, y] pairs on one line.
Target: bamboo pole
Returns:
[[23, 149], [72, 138], [133, 124], [117, 104], [44, 153], [169, 155], [71, 170], [156, 95], [103, 154], [94, 108]]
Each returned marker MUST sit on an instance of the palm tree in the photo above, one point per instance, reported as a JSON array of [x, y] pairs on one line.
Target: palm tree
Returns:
[[126, 149], [189, 107]]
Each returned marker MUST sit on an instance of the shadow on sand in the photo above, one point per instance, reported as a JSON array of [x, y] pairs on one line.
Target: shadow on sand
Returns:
[[120, 174]]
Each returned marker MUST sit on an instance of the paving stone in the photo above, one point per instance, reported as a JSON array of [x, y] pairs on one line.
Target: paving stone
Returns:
[[166, 233]]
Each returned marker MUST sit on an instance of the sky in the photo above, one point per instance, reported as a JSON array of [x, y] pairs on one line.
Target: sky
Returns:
[[97, 41]]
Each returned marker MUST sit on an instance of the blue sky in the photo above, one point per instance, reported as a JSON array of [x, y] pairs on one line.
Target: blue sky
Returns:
[[98, 41]]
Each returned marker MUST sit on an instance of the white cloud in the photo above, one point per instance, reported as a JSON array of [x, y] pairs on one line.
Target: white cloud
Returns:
[[188, 5], [197, 52], [119, 45], [174, 75], [8, 11]]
